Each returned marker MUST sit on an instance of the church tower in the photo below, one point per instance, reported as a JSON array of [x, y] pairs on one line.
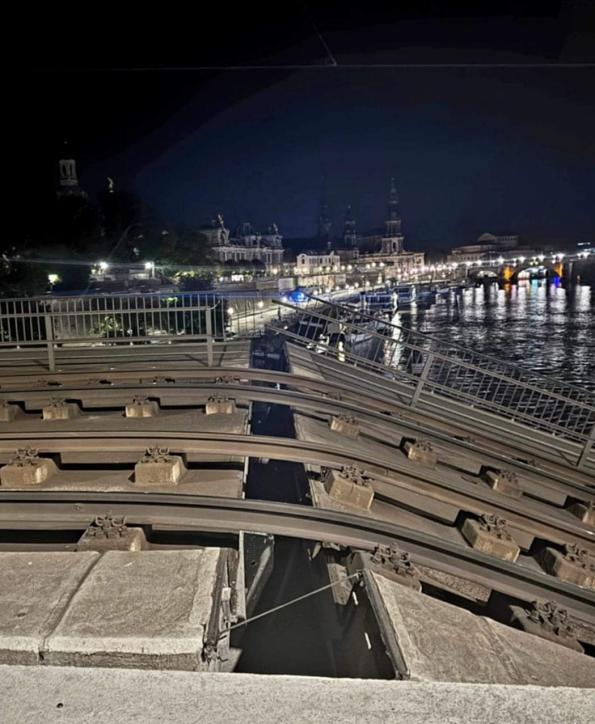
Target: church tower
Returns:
[[324, 223], [68, 184], [349, 235], [392, 242]]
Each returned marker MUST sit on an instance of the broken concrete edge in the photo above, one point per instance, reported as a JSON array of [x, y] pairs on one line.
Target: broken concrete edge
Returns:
[[63, 622], [385, 626], [441, 642]]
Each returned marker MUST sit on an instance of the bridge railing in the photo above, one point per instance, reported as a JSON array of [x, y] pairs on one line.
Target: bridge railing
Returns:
[[426, 364], [114, 319]]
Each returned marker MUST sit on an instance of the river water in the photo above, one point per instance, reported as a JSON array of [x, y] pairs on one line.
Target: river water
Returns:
[[536, 324]]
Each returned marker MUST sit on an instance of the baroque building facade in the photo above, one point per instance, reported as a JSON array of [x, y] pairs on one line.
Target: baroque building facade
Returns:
[[383, 245], [245, 245]]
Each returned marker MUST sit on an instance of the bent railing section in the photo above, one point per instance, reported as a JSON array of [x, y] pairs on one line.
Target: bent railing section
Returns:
[[425, 364]]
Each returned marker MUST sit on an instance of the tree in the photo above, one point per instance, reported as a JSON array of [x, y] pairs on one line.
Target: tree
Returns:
[[196, 282], [73, 278], [185, 247], [75, 225], [21, 275]]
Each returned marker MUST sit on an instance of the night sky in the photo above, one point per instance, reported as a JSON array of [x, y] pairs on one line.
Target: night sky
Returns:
[[473, 149]]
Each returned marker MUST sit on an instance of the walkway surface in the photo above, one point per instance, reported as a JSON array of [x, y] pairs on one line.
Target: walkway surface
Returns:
[[59, 694]]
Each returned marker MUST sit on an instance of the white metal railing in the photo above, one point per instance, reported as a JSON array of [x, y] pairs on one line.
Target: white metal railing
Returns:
[[422, 363], [112, 319]]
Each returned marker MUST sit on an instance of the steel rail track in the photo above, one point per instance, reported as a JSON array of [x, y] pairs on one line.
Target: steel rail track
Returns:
[[465, 416], [183, 394], [74, 511], [535, 518], [555, 465]]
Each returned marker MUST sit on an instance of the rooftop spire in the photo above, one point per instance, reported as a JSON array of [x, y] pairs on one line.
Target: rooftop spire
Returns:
[[349, 235], [393, 201], [393, 221], [324, 223]]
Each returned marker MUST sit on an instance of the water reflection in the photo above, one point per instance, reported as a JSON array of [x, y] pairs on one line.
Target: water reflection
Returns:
[[541, 326]]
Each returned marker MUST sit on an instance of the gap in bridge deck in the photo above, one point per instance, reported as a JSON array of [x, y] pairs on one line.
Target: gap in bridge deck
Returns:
[[313, 637], [277, 480]]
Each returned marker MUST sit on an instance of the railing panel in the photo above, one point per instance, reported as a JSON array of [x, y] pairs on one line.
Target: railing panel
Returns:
[[427, 364]]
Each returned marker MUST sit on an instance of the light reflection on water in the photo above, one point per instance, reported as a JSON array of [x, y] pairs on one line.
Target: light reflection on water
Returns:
[[540, 326]]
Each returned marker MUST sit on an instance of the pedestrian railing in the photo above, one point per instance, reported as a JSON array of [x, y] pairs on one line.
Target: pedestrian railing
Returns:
[[423, 364], [153, 318]]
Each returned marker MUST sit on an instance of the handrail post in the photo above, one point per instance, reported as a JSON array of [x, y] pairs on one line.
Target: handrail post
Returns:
[[209, 329], [422, 378], [49, 335], [586, 449]]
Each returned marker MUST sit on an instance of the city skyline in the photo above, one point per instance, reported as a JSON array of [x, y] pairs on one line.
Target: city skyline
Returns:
[[486, 124]]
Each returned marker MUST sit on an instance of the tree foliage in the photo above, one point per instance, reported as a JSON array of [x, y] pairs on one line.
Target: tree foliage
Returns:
[[185, 247], [22, 276]]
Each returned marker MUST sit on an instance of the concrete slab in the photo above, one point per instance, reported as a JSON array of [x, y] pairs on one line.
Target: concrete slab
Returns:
[[180, 420], [309, 429], [381, 510], [222, 483], [72, 695], [144, 609], [441, 642], [303, 363], [35, 589]]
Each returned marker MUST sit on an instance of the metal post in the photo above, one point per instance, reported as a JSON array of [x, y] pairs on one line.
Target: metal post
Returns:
[[49, 335], [209, 330], [586, 449], [422, 378]]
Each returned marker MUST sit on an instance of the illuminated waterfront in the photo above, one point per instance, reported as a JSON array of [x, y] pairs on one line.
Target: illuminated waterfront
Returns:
[[541, 326]]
